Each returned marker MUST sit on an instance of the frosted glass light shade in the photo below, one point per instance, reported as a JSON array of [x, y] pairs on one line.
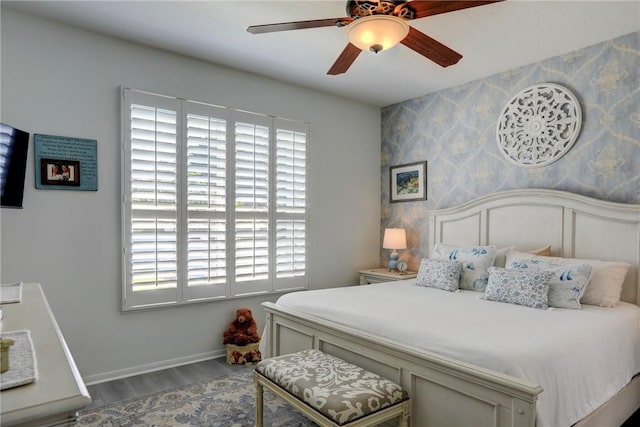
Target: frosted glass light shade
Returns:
[[394, 238], [377, 32]]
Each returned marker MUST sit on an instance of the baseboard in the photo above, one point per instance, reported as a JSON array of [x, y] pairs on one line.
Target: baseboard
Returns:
[[151, 367]]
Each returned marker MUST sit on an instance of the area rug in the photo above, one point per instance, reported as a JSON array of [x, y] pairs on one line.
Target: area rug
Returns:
[[221, 402]]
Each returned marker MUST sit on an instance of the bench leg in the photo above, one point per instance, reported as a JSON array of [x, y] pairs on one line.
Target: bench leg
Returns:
[[404, 418], [259, 403]]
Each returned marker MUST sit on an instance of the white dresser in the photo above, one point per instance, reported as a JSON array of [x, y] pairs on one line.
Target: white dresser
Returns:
[[59, 391]]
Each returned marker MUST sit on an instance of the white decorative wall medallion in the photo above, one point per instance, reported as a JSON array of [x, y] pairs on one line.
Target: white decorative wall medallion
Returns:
[[539, 125]]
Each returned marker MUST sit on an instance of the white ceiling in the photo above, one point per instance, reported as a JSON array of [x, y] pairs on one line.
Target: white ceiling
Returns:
[[492, 38]]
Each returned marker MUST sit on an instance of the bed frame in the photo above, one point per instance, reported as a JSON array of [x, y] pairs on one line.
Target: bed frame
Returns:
[[447, 392]]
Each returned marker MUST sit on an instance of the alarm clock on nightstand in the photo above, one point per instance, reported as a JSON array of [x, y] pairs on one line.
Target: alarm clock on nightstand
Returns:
[[402, 267]]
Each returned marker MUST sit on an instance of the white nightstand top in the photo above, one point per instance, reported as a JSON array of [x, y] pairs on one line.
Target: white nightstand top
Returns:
[[384, 272]]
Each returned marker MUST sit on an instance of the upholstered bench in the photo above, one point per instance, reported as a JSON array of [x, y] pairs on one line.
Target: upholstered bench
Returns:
[[330, 391]]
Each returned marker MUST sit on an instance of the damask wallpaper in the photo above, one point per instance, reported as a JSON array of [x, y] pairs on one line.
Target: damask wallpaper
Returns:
[[454, 130]]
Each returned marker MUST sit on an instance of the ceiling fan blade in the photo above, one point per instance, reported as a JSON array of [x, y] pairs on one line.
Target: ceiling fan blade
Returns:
[[344, 61], [434, 7], [430, 48], [299, 25]]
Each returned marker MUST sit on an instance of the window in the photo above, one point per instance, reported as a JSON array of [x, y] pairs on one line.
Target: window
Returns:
[[214, 202]]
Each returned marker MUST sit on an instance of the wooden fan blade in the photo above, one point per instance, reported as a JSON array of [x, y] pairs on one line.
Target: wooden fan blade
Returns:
[[344, 61], [430, 48], [299, 25], [424, 8]]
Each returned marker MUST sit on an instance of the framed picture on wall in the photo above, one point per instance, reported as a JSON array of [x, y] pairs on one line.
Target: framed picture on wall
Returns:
[[408, 182], [59, 172], [65, 163]]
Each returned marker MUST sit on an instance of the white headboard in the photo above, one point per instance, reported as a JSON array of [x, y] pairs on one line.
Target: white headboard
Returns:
[[575, 226]]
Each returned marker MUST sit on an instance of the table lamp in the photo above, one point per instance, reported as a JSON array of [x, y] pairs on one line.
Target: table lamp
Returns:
[[394, 238]]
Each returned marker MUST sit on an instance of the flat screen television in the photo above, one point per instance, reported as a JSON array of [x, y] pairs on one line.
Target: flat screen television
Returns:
[[14, 145]]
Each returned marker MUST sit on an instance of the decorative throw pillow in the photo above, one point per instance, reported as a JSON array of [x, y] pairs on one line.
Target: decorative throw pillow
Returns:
[[501, 254], [522, 287], [607, 277], [441, 274], [568, 283], [475, 262]]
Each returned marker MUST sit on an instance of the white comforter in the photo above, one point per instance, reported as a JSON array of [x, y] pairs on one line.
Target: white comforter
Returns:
[[580, 357]]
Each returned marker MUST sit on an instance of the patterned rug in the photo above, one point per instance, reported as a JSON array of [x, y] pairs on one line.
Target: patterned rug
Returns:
[[221, 402]]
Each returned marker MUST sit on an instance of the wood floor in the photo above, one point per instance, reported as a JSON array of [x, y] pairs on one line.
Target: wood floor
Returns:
[[140, 385], [634, 421]]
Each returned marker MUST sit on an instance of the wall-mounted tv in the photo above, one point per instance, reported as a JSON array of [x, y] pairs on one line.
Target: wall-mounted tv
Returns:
[[14, 145]]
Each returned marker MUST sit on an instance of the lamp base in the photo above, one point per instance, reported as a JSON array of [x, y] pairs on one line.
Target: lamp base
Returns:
[[393, 261]]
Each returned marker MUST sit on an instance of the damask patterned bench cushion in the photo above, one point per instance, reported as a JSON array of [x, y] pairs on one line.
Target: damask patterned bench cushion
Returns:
[[341, 391]]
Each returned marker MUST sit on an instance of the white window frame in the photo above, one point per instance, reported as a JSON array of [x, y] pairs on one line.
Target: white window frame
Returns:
[[133, 298]]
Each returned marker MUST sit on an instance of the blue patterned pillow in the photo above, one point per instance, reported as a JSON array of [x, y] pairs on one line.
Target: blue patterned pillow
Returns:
[[522, 287], [567, 285], [443, 274], [475, 262]]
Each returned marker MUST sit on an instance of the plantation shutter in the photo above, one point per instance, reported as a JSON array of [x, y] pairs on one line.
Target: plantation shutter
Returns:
[[214, 202], [252, 152], [291, 201], [151, 179], [206, 175]]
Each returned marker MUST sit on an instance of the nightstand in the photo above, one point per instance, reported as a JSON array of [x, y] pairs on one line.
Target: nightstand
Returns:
[[377, 275]]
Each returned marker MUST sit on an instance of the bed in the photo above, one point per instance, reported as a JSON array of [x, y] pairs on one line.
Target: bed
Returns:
[[452, 386]]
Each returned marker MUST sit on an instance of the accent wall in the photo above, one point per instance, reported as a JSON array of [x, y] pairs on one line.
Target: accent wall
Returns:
[[454, 130]]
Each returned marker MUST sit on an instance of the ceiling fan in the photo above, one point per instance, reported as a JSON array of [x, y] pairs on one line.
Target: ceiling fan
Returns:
[[387, 18]]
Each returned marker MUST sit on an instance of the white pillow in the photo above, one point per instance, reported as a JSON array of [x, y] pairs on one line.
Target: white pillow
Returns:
[[501, 254], [607, 277], [440, 274], [475, 262]]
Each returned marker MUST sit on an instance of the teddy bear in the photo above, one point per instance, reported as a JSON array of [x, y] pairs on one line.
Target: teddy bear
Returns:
[[243, 330]]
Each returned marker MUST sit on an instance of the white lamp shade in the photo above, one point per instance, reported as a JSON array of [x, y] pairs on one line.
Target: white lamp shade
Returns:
[[394, 238], [377, 32]]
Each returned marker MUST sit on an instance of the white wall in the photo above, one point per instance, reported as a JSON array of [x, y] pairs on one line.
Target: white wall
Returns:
[[59, 80]]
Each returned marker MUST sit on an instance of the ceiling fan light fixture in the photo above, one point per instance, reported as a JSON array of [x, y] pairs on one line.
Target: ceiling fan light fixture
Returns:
[[377, 32]]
